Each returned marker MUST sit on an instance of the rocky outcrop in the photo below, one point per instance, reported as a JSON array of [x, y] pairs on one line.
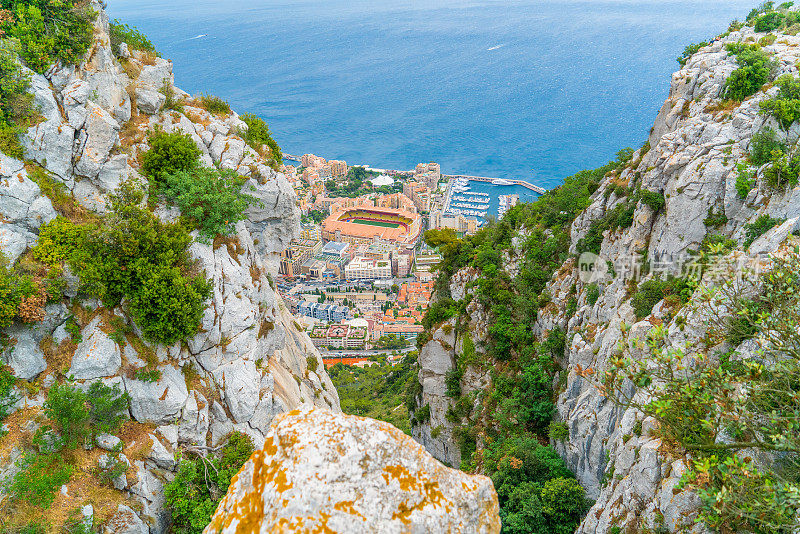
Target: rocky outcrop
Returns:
[[325, 472]]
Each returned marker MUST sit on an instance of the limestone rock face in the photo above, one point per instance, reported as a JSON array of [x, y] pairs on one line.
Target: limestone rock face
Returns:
[[23, 209], [325, 472], [248, 361], [160, 401], [97, 354], [27, 359]]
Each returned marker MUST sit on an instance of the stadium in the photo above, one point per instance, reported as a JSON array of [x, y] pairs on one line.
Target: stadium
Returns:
[[364, 224]]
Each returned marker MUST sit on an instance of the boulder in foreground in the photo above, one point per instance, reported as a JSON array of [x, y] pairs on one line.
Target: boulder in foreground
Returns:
[[325, 472]]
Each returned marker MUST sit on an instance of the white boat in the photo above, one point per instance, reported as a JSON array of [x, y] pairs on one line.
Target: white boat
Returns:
[[501, 181]]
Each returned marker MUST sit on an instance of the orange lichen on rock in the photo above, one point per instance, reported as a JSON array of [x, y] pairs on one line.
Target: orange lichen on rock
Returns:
[[320, 472]]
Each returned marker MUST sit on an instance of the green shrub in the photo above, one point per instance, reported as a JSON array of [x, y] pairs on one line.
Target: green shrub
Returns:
[[784, 171], [57, 240], [214, 104], [759, 227], [563, 501], [619, 217], [770, 21], [592, 294], [39, 478], [755, 68], [49, 30], [531, 488], [67, 408], [784, 106], [572, 306], [422, 415], [169, 153], [7, 396], [168, 306], [113, 470], [452, 381], [30, 528], [312, 363], [14, 287], [108, 406], [558, 431], [650, 292], [654, 200], [171, 100], [74, 329], [194, 493], [131, 254], [9, 141], [16, 103], [257, 135], [210, 197], [744, 180], [758, 10], [136, 40], [593, 239], [763, 144], [689, 51], [715, 219], [147, 375]]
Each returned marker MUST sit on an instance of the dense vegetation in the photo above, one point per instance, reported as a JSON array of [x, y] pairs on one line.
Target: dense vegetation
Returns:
[[211, 198], [259, 138], [131, 254], [48, 30], [767, 147], [767, 17], [377, 390], [21, 297], [16, 104], [169, 153], [785, 106], [755, 70], [136, 40], [202, 480]]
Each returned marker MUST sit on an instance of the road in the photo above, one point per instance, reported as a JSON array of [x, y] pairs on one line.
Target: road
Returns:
[[361, 353]]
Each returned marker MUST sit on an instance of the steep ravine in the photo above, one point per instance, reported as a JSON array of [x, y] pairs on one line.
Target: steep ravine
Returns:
[[690, 161]]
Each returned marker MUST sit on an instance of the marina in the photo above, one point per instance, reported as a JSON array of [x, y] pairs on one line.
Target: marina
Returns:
[[482, 197]]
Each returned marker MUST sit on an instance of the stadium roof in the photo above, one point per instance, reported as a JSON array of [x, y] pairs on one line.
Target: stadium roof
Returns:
[[382, 180]]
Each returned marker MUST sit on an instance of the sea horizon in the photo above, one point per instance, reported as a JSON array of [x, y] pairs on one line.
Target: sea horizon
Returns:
[[525, 90]]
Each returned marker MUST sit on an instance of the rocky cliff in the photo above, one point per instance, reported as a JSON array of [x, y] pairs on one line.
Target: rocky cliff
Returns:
[[250, 360], [695, 163]]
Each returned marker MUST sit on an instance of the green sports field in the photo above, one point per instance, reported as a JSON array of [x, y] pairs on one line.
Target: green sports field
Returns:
[[376, 223]]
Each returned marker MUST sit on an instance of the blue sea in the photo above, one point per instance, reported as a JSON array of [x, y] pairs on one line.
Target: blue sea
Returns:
[[527, 89]]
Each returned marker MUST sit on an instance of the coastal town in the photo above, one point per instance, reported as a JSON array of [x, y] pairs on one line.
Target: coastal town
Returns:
[[360, 276]]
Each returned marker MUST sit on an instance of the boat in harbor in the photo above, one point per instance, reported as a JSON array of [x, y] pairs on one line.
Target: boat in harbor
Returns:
[[501, 181]]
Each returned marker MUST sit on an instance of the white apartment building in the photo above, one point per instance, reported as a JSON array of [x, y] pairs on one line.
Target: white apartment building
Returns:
[[361, 268]]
